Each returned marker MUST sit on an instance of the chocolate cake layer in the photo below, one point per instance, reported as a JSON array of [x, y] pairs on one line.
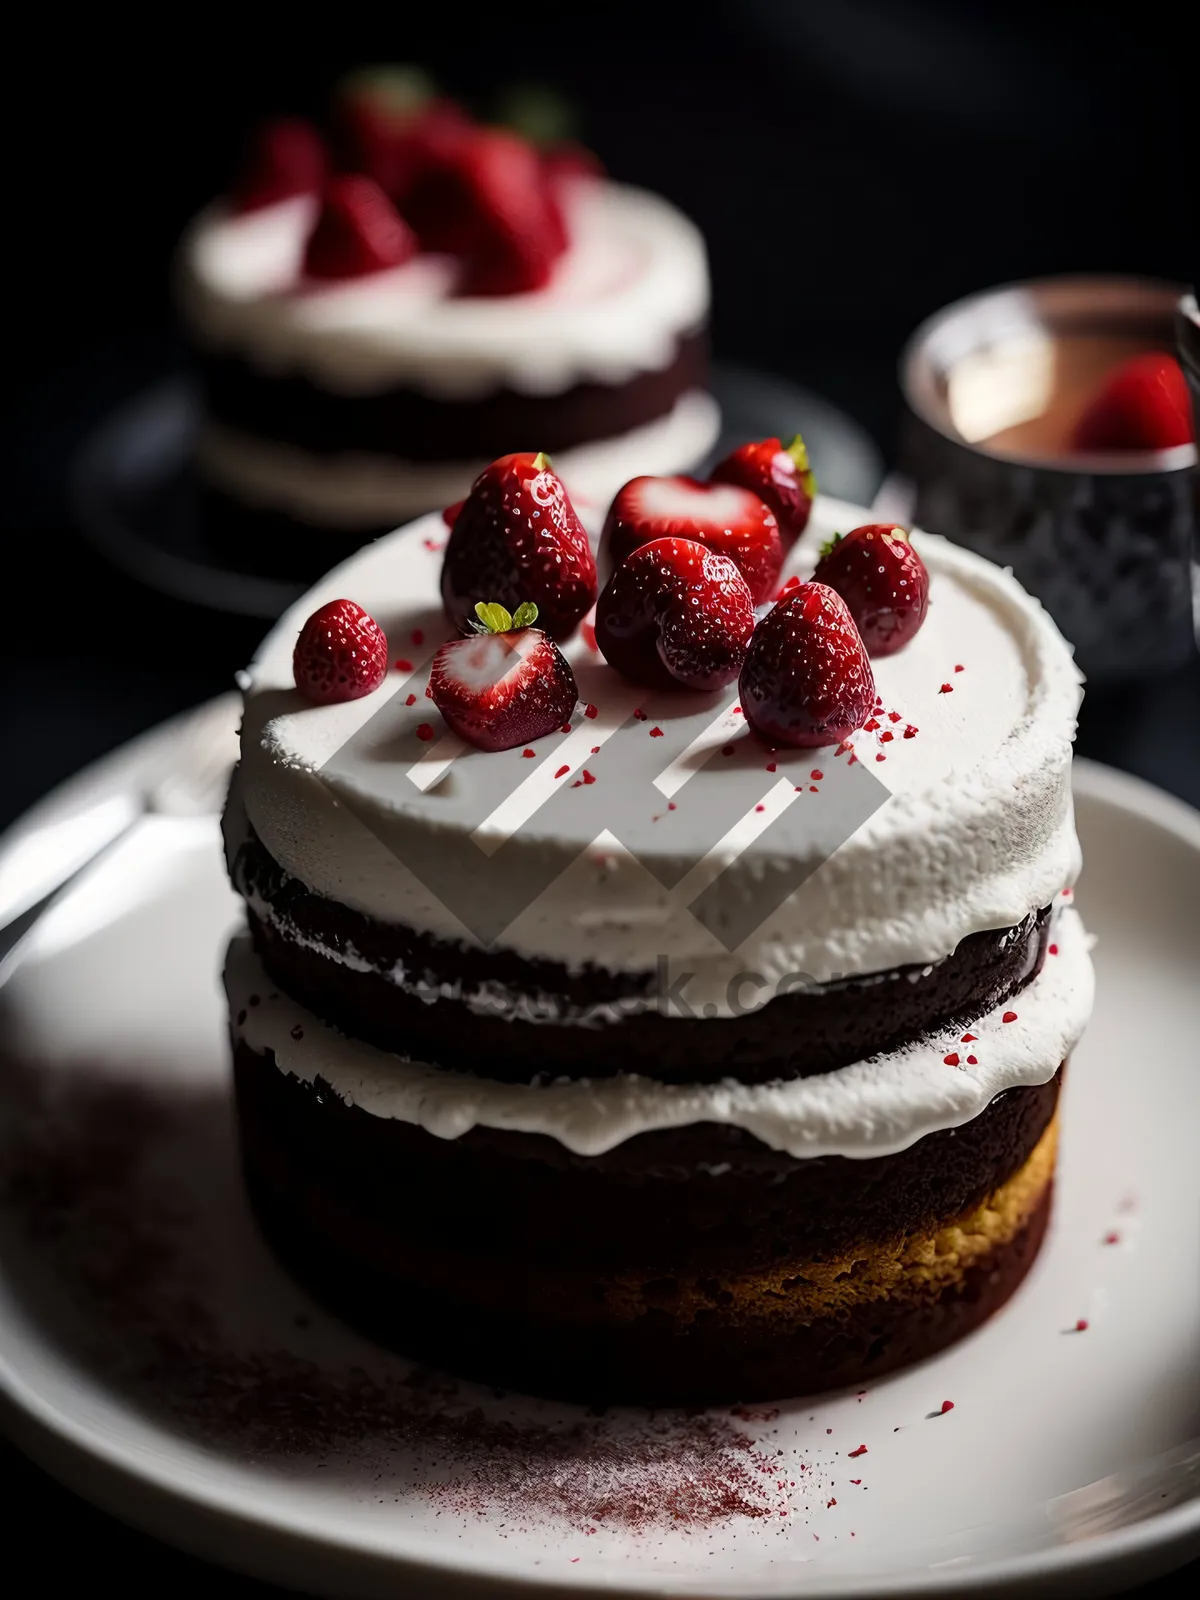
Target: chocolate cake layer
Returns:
[[808, 1030], [767, 1320], [409, 425], [695, 1200]]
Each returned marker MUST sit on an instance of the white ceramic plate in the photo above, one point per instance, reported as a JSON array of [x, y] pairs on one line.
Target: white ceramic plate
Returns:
[[156, 1360]]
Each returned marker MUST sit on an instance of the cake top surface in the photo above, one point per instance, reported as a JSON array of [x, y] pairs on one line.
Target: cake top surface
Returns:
[[657, 829], [632, 280]]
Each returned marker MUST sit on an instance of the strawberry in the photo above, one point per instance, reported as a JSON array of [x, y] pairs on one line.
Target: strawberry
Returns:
[[341, 654], [807, 680], [883, 581], [519, 232], [728, 520], [568, 160], [505, 684], [517, 538], [675, 613], [285, 158], [390, 125], [779, 475], [358, 231], [1144, 405]]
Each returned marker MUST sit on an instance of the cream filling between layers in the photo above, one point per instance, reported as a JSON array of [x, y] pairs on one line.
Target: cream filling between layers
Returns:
[[872, 1108], [372, 491]]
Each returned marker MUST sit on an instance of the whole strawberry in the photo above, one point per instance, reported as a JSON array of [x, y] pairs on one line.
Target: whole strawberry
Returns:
[[506, 683], [807, 680], [674, 614], [779, 475], [516, 537], [883, 581], [341, 654], [1144, 405], [285, 158], [390, 123], [358, 231], [725, 519], [518, 231]]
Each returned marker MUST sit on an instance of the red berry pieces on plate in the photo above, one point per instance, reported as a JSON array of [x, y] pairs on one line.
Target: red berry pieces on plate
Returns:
[[358, 231], [505, 684], [726, 519], [341, 654], [675, 614], [516, 538], [807, 680], [519, 233], [779, 475], [286, 158], [1144, 405], [883, 581]]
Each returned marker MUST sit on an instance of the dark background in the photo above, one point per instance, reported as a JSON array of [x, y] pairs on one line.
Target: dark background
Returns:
[[855, 164]]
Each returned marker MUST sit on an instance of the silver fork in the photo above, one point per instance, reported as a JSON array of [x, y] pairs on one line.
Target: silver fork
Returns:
[[42, 867]]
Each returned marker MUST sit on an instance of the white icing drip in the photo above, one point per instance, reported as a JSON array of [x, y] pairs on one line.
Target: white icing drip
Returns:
[[872, 1108], [634, 280], [978, 830], [347, 491]]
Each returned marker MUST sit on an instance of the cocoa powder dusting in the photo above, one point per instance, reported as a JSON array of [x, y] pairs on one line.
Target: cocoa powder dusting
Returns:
[[109, 1194]]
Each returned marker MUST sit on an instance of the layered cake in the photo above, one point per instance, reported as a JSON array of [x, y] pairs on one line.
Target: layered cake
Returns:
[[673, 1009], [378, 310]]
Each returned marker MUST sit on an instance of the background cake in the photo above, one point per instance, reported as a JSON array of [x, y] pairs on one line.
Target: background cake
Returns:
[[642, 1140], [365, 350]]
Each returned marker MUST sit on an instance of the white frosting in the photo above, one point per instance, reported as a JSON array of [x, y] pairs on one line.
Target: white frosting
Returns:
[[869, 1109], [634, 280], [975, 828], [349, 491]]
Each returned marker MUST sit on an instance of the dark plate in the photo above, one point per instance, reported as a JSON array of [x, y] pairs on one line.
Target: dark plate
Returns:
[[135, 500]]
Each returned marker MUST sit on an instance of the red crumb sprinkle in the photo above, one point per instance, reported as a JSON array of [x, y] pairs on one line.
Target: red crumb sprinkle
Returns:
[[588, 777], [1052, 949], [969, 1038], [595, 750], [432, 544], [960, 669], [947, 688], [411, 700], [947, 1405], [881, 756], [952, 1059], [297, 1032], [871, 725], [829, 1503], [1009, 1016], [528, 753], [589, 634], [671, 806], [893, 716], [1081, 1326], [856, 1481], [640, 714], [910, 732], [656, 732], [1112, 1238], [886, 736], [425, 731], [591, 711], [972, 1061], [737, 711], [861, 1451], [772, 766], [403, 665], [1066, 894], [760, 808], [417, 636], [812, 789], [562, 772], [816, 775]]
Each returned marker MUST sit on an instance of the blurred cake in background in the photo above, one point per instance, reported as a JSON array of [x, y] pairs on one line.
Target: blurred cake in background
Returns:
[[380, 309]]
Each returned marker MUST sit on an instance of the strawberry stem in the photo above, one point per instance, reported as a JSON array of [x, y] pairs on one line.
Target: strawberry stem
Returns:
[[831, 544], [541, 461], [798, 451], [495, 618]]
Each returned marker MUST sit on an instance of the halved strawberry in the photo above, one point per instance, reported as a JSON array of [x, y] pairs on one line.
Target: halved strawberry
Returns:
[[675, 614], [883, 581], [1144, 405], [728, 520], [516, 537], [807, 680], [505, 684], [358, 231], [779, 475], [519, 232], [285, 158]]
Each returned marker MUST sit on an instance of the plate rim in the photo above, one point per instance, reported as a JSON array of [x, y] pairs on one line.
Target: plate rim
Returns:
[[211, 1523]]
